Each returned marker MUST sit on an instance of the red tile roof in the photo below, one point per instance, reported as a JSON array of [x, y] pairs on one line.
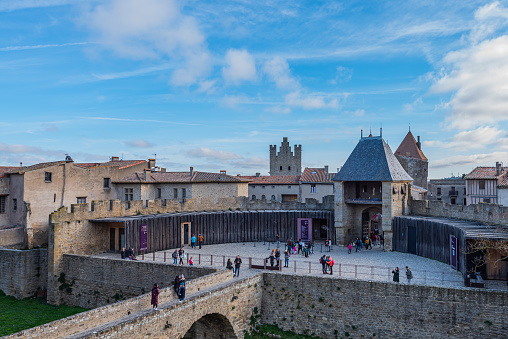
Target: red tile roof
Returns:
[[408, 148], [503, 183], [179, 177], [486, 173], [7, 169], [316, 175], [273, 180]]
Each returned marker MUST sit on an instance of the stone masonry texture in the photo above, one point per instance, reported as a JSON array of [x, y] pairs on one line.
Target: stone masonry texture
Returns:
[[23, 273]]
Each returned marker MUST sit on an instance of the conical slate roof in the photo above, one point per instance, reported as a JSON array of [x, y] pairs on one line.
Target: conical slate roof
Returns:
[[408, 148], [372, 160]]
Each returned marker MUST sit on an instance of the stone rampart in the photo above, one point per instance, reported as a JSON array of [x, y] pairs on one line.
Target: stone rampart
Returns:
[[488, 213], [23, 273], [92, 282], [12, 237], [330, 307]]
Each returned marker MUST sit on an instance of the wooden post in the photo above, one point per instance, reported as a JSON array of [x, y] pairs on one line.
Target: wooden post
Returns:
[[295, 265], [199, 258], [223, 261], [310, 268], [211, 259], [356, 271], [250, 262], [143, 255], [164, 256], [264, 264], [153, 256]]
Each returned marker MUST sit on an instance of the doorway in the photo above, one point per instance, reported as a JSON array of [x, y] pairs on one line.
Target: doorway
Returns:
[[186, 233], [411, 240]]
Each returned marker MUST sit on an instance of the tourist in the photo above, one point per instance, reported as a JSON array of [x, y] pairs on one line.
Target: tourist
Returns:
[[229, 264], [289, 245], [181, 253], [306, 251], [238, 262], [277, 239], [327, 243], [330, 263], [322, 261], [286, 258], [177, 283], [358, 244], [155, 296], [181, 291], [300, 246], [175, 257], [122, 253], [409, 275], [191, 263], [277, 257], [193, 241], [200, 240], [349, 248], [396, 274], [367, 244], [271, 257]]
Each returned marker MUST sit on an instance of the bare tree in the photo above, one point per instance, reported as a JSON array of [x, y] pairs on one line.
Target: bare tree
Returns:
[[487, 251]]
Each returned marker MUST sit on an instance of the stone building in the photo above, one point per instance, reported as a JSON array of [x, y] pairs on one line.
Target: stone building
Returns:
[[316, 183], [482, 183], [281, 188], [450, 190], [410, 155], [285, 162], [370, 190], [31, 193]]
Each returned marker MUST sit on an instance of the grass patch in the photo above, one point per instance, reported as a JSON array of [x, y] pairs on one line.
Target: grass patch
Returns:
[[268, 332], [17, 315]]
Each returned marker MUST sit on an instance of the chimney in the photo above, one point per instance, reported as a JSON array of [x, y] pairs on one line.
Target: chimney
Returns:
[[419, 144], [222, 171], [20, 164], [498, 169], [258, 175], [113, 158], [361, 134], [326, 168], [151, 163], [191, 171], [381, 132]]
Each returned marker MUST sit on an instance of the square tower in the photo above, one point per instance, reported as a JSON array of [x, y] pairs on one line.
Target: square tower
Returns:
[[285, 162]]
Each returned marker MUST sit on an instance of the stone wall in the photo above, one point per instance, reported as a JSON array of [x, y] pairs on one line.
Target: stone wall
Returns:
[[333, 308], [23, 273], [92, 282], [12, 237], [416, 168]]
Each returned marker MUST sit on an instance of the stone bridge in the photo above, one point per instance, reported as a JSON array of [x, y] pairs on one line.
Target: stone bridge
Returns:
[[221, 310]]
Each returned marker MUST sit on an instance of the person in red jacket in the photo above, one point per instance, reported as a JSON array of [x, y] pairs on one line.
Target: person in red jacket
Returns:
[[330, 263]]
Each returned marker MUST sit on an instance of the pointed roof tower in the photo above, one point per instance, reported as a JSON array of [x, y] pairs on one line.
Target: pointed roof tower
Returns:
[[410, 148]]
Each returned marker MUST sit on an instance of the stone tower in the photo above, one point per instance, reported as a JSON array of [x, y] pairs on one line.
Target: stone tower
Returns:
[[412, 159], [285, 162]]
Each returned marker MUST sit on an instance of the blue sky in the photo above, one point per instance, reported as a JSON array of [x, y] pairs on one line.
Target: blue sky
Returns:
[[211, 84]]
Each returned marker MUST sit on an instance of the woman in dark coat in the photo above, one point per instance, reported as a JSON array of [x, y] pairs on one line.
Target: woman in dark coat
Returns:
[[155, 296], [396, 274], [181, 291]]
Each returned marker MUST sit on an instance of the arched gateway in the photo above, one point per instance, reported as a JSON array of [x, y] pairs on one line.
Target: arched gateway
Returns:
[[214, 326]]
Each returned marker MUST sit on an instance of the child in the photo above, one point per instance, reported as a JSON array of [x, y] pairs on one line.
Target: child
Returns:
[[191, 263], [349, 248]]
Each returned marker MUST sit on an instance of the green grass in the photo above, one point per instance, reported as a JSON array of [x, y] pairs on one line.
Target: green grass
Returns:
[[273, 329], [17, 315]]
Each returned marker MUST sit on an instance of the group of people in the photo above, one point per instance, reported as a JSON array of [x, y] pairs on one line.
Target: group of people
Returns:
[[297, 247], [127, 254], [179, 288], [327, 263], [396, 274], [366, 243], [199, 240], [236, 268]]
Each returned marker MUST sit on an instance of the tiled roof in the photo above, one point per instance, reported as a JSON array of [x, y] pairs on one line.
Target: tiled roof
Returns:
[[7, 169], [316, 175], [503, 183], [372, 160], [179, 177], [485, 173], [408, 148], [120, 163], [273, 180], [35, 167]]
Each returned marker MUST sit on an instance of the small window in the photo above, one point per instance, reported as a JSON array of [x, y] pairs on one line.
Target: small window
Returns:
[[453, 201], [253, 197], [289, 187], [289, 168], [263, 197], [482, 184], [438, 199], [312, 188], [281, 168], [159, 193], [175, 193], [486, 200], [47, 176], [253, 186], [14, 204], [438, 190], [273, 187], [107, 183], [364, 188], [263, 187], [273, 197], [81, 200], [464, 191], [465, 201], [129, 194], [184, 193], [2, 204]]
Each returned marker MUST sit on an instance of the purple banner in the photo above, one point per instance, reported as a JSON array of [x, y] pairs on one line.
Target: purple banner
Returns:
[[305, 229], [453, 252], [143, 238]]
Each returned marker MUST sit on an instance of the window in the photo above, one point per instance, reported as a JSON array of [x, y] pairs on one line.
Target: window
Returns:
[[159, 193], [175, 193], [312, 188], [439, 199], [184, 193], [14, 204], [253, 186], [253, 197], [453, 201], [129, 194], [107, 183], [486, 200], [47, 176], [273, 197], [273, 187], [82, 200], [465, 201], [364, 188], [438, 190], [281, 168], [54, 197], [289, 186], [2, 204], [263, 197], [464, 191], [263, 187], [289, 168], [482, 184]]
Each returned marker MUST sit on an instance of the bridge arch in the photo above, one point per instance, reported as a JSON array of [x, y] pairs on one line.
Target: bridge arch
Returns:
[[212, 325]]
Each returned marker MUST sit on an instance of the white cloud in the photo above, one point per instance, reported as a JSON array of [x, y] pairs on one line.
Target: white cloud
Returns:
[[211, 154], [472, 139], [279, 109], [22, 48], [233, 101], [254, 162], [277, 70], [489, 18], [138, 143], [239, 66], [153, 29], [298, 99], [488, 159], [344, 74], [207, 86], [11, 5]]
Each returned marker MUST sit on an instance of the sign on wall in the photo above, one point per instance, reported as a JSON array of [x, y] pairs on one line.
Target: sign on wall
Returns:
[[453, 252], [143, 237], [305, 229]]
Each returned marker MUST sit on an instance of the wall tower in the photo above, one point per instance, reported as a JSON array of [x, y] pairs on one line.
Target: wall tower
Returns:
[[285, 162]]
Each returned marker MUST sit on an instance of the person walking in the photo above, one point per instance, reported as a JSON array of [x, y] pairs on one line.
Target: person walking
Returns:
[[181, 291], [181, 253], [330, 264], [193, 241], [322, 261], [155, 296], [409, 275], [200, 240], [191, 263], [175, 257], [277, 239], [396, 273], [238, 262], [300, 246], [286, 258], [271, 257], [277, 257], [349, 248]]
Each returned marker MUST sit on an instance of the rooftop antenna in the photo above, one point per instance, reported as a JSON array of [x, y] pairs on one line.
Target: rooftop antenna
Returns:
[[155, 155], [409, 126], [361, 134], [381, 131], [122, 156]]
